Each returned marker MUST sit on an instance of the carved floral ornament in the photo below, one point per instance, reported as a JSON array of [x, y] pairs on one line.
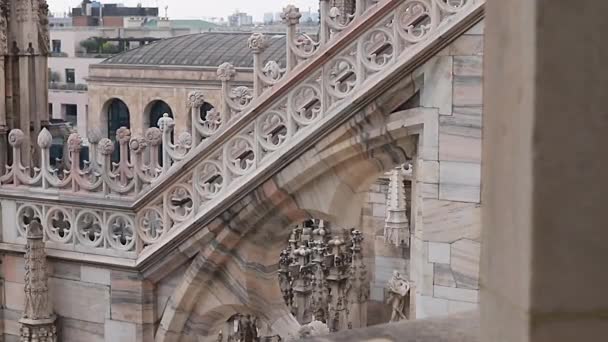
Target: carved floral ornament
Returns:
[[258, 42], [238, 153]]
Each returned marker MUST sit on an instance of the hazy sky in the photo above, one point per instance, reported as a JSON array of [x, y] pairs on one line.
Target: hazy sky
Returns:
[[201, 8]]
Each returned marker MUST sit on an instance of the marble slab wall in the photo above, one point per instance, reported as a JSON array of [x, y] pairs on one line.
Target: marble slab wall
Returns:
[[92, 304], [446, 243]]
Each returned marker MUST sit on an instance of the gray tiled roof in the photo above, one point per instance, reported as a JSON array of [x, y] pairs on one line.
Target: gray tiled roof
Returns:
[[208, 49]]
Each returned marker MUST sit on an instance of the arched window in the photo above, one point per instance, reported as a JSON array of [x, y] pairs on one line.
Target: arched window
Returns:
[[157, 110], [118, 116]]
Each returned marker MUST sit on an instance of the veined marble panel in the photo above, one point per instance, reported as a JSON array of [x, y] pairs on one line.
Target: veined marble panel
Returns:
[[465, 263], [439, 252], [74, 330], [460, 181], [460, 138], [78, 300], [15, 295], [444, 275], [95, 275], [453, 293], [120, 331], [467, 45], [437, 91], [448, 221], [427, 306], [468, 66]]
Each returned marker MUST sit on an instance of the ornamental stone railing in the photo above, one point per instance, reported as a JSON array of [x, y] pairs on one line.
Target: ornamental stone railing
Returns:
[[119, 207]]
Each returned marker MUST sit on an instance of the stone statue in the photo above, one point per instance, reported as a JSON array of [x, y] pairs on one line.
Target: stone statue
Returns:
[[398, 292]]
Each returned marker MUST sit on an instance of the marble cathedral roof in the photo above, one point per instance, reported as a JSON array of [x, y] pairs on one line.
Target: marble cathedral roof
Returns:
[[209, 49]]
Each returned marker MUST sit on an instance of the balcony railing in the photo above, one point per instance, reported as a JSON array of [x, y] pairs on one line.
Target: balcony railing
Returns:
[[68, 86], [322, 80], [58, 54], [94, 55]]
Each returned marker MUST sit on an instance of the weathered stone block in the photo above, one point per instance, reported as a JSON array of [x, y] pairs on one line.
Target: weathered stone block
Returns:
[[456, 307], [74, 330], [468, 65], [428, 190], [428, 171], [452, 293], [459, 192], [460, 181], [379, 210], [427, 306], [479, 28], [468, 91], [437, 91], [443, 275], [131, 298], [120, 331], [460, 138], [95, 275], [64, 270], [467, 45], [15, 295], [439, 252], [465, 263], [13, 268], [78, 300], [448, 221]]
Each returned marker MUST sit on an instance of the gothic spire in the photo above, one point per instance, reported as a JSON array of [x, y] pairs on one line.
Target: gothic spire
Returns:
[[397, 226]]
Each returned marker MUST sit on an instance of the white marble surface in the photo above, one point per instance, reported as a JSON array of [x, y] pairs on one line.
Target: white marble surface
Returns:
[[439, 252]]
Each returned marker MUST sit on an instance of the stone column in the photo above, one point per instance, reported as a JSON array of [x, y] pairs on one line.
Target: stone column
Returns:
[[543, 272], [38, 320]]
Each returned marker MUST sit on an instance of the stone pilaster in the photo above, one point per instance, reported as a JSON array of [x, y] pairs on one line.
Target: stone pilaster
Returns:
[[38, 320]]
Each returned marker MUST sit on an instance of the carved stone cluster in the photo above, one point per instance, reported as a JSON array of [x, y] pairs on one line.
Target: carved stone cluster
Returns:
[[322, 276]]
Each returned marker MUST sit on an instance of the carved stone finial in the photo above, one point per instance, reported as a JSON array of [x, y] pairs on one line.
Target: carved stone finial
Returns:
[[34, 230], [74, 142], [184, 139], [38, 320], [123, 135], [258, 42], [45, 139], [106, 147], [138, 144], [225, 72], [166, 123], [154, 136], [195, 99], [94, 135], [396, 228], [291, 15], [16, 137]]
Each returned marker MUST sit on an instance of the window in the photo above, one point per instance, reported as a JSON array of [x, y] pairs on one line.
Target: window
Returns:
[[71, 114], [56, 45], [50, 110], [70, 76]]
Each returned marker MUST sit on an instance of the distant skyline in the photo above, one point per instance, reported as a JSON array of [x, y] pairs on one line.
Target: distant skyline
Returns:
[[192, 9]]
